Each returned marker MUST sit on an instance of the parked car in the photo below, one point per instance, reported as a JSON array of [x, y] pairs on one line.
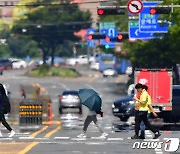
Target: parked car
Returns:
[[81, 59], [123, 108], [18, 63], [69, 99], [6, 63], [109, 72], [94, 66], [174, 115]]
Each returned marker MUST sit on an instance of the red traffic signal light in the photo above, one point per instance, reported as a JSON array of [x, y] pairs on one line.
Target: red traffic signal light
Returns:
[[120, 37], [96, 36], [107, 39], [160, 10], [110, 11], [89, 37], [100, 11], [152, 11]]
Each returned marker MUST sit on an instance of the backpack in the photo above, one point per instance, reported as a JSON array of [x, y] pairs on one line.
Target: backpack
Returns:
[[6, 106]]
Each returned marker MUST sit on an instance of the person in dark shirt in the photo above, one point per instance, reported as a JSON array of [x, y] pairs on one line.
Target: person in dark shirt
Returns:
[[2, 117]]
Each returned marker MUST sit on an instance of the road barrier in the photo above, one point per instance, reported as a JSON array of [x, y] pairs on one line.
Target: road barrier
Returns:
[[34, 111]]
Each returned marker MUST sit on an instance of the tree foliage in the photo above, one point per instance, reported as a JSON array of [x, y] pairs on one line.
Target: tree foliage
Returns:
[[51, 24]]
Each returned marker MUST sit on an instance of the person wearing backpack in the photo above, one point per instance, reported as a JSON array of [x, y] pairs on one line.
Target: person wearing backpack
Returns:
[[4, 109]]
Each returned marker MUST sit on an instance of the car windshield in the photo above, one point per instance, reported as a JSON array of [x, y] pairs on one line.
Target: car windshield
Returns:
[[70, 93]]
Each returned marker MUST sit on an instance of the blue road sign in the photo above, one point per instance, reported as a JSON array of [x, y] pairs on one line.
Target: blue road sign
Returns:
[[134, 32], [148, 22], [91, 43], [111, 33]]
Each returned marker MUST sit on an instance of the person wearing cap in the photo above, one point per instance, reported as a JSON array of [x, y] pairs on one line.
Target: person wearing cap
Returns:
[[142, 113]]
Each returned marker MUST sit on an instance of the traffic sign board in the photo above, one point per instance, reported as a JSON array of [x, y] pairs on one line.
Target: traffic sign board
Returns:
[[135, 6], [149, 22], [111, 33], [91, 43], [134, 32]]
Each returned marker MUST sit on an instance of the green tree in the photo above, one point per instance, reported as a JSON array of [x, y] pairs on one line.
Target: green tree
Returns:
[[51, 24]]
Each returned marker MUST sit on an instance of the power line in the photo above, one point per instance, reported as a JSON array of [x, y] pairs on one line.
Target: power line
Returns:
[[48, 4]]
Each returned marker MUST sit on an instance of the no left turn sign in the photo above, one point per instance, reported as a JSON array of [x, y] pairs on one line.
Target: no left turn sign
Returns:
[[135, 6]]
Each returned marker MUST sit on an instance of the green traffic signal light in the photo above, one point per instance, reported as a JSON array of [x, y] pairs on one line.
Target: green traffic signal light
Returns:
[[107, 46], [82, 45]]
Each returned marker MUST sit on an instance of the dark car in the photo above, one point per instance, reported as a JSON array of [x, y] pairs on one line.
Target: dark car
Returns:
[[69, 99], [174, 115], [123, 108], [6, 64]]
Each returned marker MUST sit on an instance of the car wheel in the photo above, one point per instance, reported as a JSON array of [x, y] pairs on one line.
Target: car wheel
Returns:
[[1, 73]]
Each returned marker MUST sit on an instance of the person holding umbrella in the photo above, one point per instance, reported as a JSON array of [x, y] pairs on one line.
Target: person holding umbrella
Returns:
[[92, 100]]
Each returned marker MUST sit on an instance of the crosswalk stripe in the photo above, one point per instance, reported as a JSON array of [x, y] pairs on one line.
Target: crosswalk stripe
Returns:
[[61, 138]]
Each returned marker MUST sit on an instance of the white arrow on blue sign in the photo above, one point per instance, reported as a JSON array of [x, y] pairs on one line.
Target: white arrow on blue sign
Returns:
[[111, 33], [134, 32]]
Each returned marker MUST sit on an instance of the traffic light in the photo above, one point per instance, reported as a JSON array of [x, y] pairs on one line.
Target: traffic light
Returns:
[[120, 37], [160, 10], [110, 11], [96, 36]]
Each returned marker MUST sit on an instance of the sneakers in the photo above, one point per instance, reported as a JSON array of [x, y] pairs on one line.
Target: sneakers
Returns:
[[81, 135], [103, 135], [12, 133], [135, 137], [142, 137], [156, 135]]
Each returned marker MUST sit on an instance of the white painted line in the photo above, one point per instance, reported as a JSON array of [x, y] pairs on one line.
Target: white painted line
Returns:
[[65, 87], [115, 139], [151, 139], [159, 152], [93, 143], [97, 138], [62, 138], [129, 138], [149, 135], [28, 137], [78, 139], [6, 138], [41, 138]]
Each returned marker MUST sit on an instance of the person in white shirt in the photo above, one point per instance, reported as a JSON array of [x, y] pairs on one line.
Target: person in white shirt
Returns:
[[92, 116]]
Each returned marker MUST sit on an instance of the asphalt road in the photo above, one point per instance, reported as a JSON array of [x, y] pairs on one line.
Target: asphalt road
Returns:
[[59, 136]]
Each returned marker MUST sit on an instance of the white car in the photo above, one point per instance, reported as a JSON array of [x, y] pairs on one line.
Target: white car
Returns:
[[129, 70], [18, 64], [94, 66], [109, 72], [82, 59]]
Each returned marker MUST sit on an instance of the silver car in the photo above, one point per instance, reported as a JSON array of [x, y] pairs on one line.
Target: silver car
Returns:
[[69, 99]]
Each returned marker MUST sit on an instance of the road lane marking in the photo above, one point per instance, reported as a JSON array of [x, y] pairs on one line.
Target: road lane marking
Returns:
[[65, 87], [39, 131], [28, 148], [62, 138], [52, 132], [115, 139]]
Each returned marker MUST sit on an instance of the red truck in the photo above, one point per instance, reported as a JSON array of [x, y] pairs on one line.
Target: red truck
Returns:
[[159, 82]]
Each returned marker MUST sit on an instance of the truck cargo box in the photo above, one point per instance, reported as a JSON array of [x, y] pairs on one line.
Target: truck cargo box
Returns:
[[159, 82]]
